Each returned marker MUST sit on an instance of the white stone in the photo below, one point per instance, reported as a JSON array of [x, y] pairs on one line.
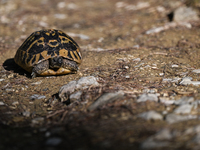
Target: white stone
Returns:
[[2, 103], [188, 81], [37, 83], [196, 71]]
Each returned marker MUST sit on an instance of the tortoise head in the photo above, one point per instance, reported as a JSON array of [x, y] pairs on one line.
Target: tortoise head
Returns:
[[55, 62]]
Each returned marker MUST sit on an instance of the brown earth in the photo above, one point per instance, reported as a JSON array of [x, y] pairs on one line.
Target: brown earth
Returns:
[[116, 38]]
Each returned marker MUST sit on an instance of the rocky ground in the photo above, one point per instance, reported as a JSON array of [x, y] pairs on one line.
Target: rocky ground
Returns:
[[137, 87]]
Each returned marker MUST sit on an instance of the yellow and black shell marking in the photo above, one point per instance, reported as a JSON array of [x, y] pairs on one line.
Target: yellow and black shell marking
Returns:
[[45, 44]]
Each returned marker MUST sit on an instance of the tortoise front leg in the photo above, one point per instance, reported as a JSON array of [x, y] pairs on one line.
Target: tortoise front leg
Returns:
[[40, 68]]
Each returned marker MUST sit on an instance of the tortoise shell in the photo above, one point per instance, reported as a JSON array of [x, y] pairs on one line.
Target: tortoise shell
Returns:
[[45, 44]]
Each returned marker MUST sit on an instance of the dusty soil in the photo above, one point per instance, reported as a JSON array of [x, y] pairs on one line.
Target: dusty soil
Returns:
[[116, 39]]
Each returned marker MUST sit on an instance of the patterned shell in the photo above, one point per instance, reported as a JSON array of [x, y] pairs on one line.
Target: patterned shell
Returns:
[[45, 44]]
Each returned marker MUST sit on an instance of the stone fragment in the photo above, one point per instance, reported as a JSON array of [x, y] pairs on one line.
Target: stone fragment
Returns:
[[196, 71], [37, 96], [81, 36], [2, 103], [37, 83], [106, 98], [151, 115], [188, 81]]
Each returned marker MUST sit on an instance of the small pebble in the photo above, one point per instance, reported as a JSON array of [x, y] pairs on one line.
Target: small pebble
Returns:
[[15, 103], [175, 66], [196, 71], [37, 83], [188, 81], [60, 16], [137, 59], [2, 80], [81, 36], [2, 103], [36, 96], [26, 113]]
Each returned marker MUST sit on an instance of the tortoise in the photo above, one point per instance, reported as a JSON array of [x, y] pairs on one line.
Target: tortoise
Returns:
[[49, 52]]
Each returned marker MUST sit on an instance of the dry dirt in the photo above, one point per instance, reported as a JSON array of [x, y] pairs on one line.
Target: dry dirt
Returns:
[[116, 39]]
